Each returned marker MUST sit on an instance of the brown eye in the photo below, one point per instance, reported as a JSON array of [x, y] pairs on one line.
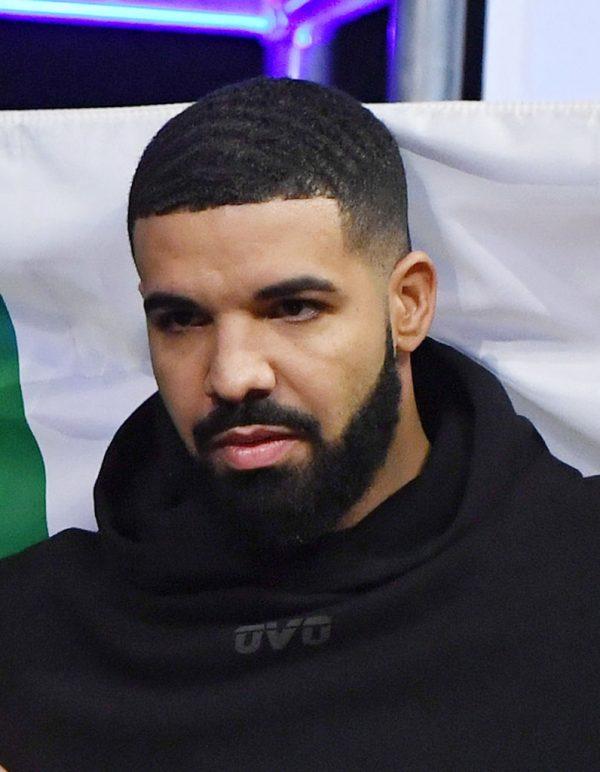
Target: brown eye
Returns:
[[175, 321], [297, 309]]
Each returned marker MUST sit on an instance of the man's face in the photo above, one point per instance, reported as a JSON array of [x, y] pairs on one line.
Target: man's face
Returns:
[[268, 343]]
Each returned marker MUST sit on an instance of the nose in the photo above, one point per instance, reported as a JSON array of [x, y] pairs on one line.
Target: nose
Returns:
[[238, 368]]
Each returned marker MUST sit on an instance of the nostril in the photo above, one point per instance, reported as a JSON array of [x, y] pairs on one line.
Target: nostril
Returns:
[[256, 394]]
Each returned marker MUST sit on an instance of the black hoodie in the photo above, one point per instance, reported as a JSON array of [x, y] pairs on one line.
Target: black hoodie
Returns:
[[457, 627]]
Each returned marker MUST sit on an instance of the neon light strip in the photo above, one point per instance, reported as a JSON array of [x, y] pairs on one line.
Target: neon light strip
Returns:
[[343, 11], [132, 14], [293, 5]]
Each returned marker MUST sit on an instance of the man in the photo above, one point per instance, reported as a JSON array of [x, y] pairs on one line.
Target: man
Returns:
[[328, 541]]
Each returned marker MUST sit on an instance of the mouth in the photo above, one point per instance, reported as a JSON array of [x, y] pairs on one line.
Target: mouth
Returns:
[[253, 447]]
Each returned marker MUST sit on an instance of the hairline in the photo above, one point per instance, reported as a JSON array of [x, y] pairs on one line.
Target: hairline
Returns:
[[372, 253]]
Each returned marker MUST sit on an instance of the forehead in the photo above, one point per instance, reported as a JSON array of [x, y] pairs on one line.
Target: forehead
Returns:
[[244, 245]]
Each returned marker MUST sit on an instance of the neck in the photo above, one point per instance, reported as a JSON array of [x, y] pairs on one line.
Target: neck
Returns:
[[405, 460]]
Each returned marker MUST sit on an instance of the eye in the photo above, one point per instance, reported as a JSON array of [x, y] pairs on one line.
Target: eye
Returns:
[[177, 321], [297, 309]]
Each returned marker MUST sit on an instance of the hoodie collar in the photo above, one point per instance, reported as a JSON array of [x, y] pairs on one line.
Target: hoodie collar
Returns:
[[156, 534]]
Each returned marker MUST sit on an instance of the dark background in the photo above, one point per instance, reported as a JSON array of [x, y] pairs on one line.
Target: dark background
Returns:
[[52, 65]]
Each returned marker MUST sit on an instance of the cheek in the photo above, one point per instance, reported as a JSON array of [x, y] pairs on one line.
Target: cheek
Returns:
[[340, 400], [180, 383], [333, 387]]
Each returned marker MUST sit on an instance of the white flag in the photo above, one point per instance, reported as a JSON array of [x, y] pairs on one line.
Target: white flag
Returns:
[[504, 198]]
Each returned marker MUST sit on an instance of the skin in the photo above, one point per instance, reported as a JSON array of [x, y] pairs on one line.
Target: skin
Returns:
[[322, 359]]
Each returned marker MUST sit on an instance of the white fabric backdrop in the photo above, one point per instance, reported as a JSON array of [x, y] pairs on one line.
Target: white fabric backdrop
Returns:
[[504, 198], [541, 49]]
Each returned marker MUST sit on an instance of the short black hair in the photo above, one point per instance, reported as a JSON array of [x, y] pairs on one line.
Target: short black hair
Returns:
[[270, 138]]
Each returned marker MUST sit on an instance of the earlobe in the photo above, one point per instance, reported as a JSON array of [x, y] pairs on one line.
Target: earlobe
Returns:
[[412, 290]]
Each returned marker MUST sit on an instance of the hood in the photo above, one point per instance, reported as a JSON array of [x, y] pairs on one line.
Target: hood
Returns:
[[157, 534]]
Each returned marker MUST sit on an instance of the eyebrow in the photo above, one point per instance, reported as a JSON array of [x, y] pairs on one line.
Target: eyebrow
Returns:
[[281, 289], [169, 300], [294, 286]]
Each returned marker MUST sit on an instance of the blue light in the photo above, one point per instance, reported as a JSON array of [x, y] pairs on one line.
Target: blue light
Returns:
[[137, 14], [293, 5], [303, 37]]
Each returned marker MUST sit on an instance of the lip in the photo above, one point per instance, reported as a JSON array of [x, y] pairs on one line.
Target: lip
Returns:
[[253, 447], [251, 435]]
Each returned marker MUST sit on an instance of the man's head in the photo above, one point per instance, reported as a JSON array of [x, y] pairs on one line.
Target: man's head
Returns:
[[267, 138], [268, 225]]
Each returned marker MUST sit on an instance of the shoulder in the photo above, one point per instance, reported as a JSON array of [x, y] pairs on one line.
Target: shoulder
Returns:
[[554, 516], [34, 572], [42, 591], [554, 481], [559, 491]]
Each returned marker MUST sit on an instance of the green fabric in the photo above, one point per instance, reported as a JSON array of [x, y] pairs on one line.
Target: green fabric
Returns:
[[22, 474]]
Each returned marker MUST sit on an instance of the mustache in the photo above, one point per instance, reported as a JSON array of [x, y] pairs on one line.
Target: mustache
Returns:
[[230, 416]]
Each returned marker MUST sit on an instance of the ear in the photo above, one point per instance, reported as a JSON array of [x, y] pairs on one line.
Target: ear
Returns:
[[412, 291]]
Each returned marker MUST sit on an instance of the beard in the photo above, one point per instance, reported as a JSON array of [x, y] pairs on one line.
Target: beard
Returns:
[[279, 510]]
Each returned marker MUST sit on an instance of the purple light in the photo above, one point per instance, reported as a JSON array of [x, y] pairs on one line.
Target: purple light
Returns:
[[273, 23], [330, 15], [312, 24], [291, 30], [139, 15], [293, 5]]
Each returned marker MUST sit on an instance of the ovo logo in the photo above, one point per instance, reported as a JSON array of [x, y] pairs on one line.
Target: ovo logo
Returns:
[[315, 631]]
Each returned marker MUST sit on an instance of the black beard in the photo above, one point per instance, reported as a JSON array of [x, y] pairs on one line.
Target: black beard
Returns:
[[280, 509]]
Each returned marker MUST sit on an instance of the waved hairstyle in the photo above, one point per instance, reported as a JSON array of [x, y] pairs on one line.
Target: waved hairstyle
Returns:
[[270, 138]]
